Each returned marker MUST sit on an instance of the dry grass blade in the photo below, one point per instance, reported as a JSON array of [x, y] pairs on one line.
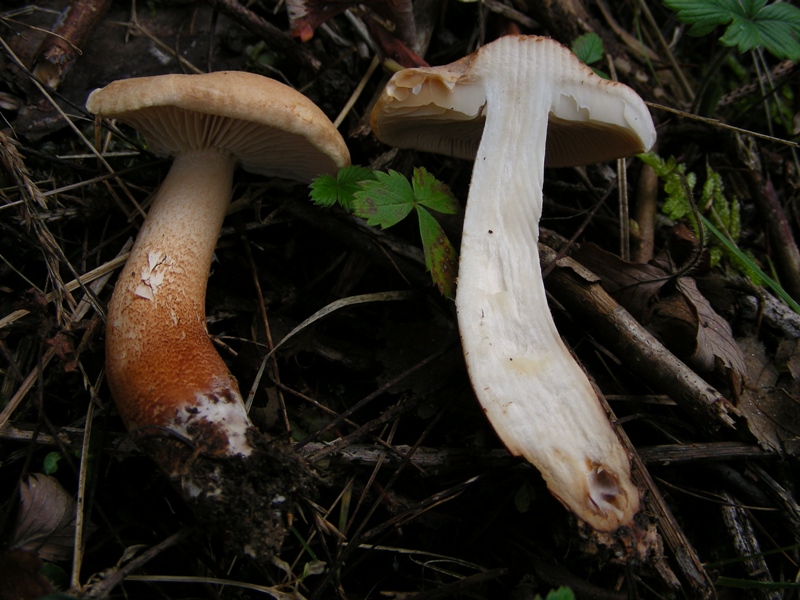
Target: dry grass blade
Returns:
[[721, 125], [102, 271]]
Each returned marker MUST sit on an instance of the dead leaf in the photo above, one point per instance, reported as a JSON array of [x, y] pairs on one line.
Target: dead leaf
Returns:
[[674, 322], [21, 577], [715, 349], [634, 285], [46, 519], [64, 348], [393, 47], [678, 313], [788, 357], [770, 402], [306, 15]]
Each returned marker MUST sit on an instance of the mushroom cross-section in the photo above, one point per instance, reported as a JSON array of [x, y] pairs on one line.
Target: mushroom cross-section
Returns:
[[165, 376], [516, 105]]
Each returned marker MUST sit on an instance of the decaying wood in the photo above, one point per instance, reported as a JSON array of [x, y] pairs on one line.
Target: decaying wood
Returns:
[[60, 49], [781, 238], [686, 560], [669, 454], [429, 461], [645, 208], [742, 532], [696, 581]]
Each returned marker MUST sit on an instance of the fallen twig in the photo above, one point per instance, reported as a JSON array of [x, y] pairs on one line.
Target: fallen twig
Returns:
[[578, 289]]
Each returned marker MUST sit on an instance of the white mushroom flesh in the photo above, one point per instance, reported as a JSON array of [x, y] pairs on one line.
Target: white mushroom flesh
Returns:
[[536, 396]]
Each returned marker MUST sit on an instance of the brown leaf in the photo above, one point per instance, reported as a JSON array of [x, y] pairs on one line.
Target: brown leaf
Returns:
[[674, 322], [46, 518], [771, 400], [682, 319], [715, 348], [21, 579], [634, 285], [306, 15], [393, 47], [64, 348]]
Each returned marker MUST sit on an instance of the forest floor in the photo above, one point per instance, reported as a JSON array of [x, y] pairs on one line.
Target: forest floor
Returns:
[[691, 337]]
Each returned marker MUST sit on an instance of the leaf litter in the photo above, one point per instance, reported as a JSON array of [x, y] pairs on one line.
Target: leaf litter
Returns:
[[374, 383]]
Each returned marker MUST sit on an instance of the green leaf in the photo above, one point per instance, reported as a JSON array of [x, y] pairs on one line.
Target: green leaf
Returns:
[[327, 190], [751, 23], [56, 575], [385, 201], [677, 185], [735, 219], [324, 191], [562, 593], [432, 193], [51, 463], [440, 255], [704, 15], [588, 47], [742, 33], [782, 37], [314, 567], [746, 265]]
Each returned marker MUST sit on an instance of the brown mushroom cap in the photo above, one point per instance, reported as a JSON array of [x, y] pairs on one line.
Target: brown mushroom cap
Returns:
[[442, 109], [272, 129]]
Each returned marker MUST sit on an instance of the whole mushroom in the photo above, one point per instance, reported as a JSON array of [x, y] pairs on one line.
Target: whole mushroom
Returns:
[[516, 105], [174, 392]]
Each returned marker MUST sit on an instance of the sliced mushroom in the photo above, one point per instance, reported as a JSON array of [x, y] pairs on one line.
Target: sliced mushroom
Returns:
[[515, 106], [171, 387]]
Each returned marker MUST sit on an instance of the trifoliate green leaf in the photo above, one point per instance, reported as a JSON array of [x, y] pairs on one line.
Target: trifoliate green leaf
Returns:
[[440, 255], [751, 23], [588, 47], [327, 190], [385, 201], [432, 193]]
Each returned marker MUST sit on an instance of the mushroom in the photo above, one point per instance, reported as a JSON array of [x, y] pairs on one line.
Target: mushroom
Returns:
[[172, 389], [516, 105]]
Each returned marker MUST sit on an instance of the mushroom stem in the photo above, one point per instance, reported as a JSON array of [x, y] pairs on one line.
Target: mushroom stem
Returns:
[[172, 389], [538, 398], [157, 312]]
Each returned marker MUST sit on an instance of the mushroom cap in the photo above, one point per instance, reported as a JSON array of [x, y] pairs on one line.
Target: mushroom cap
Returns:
[[442, 109], [272, 129]]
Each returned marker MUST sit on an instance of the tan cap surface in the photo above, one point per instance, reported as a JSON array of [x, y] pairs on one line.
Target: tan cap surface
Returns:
[[441, 109], [271, 128]]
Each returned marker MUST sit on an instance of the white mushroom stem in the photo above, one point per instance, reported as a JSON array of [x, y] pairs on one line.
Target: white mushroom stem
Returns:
[[536, 396], [157, 313]]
